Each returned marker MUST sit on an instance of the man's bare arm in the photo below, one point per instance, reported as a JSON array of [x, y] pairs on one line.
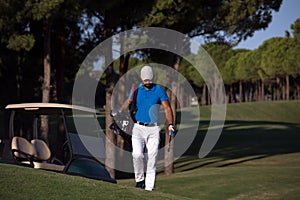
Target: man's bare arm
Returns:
[[168, 111], [125, 105]]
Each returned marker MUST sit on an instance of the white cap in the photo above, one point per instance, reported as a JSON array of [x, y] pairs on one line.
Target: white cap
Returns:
[[146, 73]]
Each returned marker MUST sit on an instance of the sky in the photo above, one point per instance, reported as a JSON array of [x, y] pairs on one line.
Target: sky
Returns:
[[288, 13]]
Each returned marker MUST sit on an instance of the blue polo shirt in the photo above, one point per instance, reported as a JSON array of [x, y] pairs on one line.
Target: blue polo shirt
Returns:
[[148, 103]]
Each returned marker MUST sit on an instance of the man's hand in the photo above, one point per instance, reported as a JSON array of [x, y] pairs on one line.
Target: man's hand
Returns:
[[171, 130], [113, 113], [171, 134]]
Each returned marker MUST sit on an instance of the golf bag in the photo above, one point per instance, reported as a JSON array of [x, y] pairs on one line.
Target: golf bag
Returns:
[[122, 125], [123, 122]]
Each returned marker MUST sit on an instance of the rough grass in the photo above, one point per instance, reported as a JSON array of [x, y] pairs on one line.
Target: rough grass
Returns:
[[25, 183], [256, 157]]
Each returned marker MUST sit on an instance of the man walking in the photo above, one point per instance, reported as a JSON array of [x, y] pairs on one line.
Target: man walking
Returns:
[[146, 130]]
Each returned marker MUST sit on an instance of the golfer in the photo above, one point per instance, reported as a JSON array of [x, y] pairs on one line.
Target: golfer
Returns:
[[145, 133]]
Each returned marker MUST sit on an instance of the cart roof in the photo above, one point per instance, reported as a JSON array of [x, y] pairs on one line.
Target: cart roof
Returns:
[[50, 108]]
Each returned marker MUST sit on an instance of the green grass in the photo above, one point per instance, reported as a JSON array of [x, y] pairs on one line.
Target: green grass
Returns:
[[256, 157], [276, 177], [242, 182], [276, 111], [25, 183]]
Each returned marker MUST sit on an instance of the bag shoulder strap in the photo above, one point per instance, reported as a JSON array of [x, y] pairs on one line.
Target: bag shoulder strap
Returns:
[[134, 93]]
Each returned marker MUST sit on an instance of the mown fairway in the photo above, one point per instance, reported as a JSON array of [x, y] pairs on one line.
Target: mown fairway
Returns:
[[256, 157]]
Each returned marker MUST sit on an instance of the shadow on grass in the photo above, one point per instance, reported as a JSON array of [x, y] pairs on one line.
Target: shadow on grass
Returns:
[[242, 141]]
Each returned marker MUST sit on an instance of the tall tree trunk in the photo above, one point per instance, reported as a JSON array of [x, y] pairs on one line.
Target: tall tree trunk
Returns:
[[283, 90], [169, 151], [181, 97], [298, 92], [231, 93], [297, 88], [246, 92], [262, 90], [208, 97], [241, 91], [257, 93], [251, 93], [8, 90], [203, 96], [277, 88], [227, 90], [123, 68], [46, 80], [121, 96], [287, 80], [61, 64], [110, 141]]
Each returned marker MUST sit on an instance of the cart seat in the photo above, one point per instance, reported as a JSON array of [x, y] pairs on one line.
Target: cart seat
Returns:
[[36, 154]]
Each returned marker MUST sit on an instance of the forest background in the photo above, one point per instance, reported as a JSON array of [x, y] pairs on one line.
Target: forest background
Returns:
[[43, 44]]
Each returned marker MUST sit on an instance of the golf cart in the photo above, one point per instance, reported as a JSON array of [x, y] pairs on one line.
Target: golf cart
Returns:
[[75, 143]]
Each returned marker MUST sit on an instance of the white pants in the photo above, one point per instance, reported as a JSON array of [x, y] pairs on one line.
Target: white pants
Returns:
[[144, 136]]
